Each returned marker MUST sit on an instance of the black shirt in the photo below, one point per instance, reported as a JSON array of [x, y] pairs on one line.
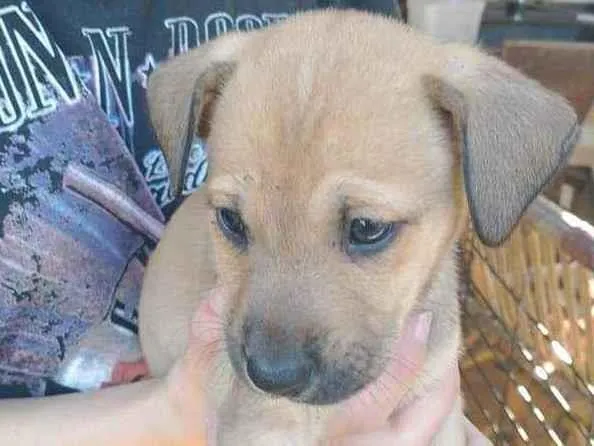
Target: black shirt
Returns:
[[128, 41]]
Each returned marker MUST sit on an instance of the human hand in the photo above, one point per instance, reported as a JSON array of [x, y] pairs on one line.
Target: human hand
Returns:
[[417, 423], [369, 418], [187, 383]]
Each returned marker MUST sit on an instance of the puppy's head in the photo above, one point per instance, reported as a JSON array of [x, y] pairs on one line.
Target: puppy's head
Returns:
[[343, 148]]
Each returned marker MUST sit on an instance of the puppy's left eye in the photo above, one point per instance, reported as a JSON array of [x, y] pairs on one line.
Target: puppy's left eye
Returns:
[[232, 226], [366, 236]]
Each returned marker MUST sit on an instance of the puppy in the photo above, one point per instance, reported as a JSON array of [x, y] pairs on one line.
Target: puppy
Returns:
[[345, 153]]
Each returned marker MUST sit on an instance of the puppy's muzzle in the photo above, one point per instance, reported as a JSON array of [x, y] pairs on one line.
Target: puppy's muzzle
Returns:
[[300, 364], [277, 363]]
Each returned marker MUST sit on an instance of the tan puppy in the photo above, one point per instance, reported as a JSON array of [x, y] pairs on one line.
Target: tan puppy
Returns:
[[343, 149]]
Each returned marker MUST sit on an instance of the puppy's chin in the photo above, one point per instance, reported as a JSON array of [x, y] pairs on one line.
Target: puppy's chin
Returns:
[[336, 385]]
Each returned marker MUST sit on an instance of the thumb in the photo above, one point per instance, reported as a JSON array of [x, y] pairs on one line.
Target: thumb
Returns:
[[206, 329], [205, 340], [189, 378]]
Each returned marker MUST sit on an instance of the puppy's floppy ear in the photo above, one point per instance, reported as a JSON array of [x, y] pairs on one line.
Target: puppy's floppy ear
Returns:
[[181, 97], [514, 133]]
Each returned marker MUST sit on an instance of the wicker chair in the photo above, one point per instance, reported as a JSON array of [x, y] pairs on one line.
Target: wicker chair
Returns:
[[528, 318]]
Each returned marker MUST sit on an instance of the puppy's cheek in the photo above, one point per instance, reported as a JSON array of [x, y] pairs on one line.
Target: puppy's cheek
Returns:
[[231, 272], [230, 265], [419, 257]]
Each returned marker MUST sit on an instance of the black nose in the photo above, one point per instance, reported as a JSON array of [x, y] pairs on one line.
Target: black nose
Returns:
[[277, 364]]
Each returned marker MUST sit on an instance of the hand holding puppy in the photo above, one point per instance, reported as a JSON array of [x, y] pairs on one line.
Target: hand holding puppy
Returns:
[[368, 418], [176, 411]]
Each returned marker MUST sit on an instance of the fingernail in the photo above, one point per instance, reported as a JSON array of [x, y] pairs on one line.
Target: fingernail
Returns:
[[423, 326]]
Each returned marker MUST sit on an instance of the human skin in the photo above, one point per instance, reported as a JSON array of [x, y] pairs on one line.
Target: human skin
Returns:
[[166, 412]]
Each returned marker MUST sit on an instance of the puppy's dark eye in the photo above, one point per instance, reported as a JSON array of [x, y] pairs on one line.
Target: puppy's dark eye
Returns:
[[232, 226], [366, 236]]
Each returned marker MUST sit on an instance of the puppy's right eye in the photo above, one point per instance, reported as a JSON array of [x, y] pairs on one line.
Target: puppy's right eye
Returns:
[[232, 226], [367, 237]]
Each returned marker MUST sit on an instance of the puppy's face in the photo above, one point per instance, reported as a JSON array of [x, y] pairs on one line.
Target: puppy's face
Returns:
[[329, 219], [335, 184]]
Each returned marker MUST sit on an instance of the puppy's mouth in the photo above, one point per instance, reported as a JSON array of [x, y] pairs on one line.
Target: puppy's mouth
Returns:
[[281, 367]]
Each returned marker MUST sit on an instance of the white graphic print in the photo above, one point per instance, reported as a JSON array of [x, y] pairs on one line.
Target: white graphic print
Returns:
[[157, 177], [197, 168], [184, 34], [112, 75], [144, 71], [248, 22], [154, 169], [216, 24], [29, 89], [270, 18]]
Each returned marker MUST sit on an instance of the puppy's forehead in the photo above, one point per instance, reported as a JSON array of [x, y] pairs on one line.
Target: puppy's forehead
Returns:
[[306, 103]]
